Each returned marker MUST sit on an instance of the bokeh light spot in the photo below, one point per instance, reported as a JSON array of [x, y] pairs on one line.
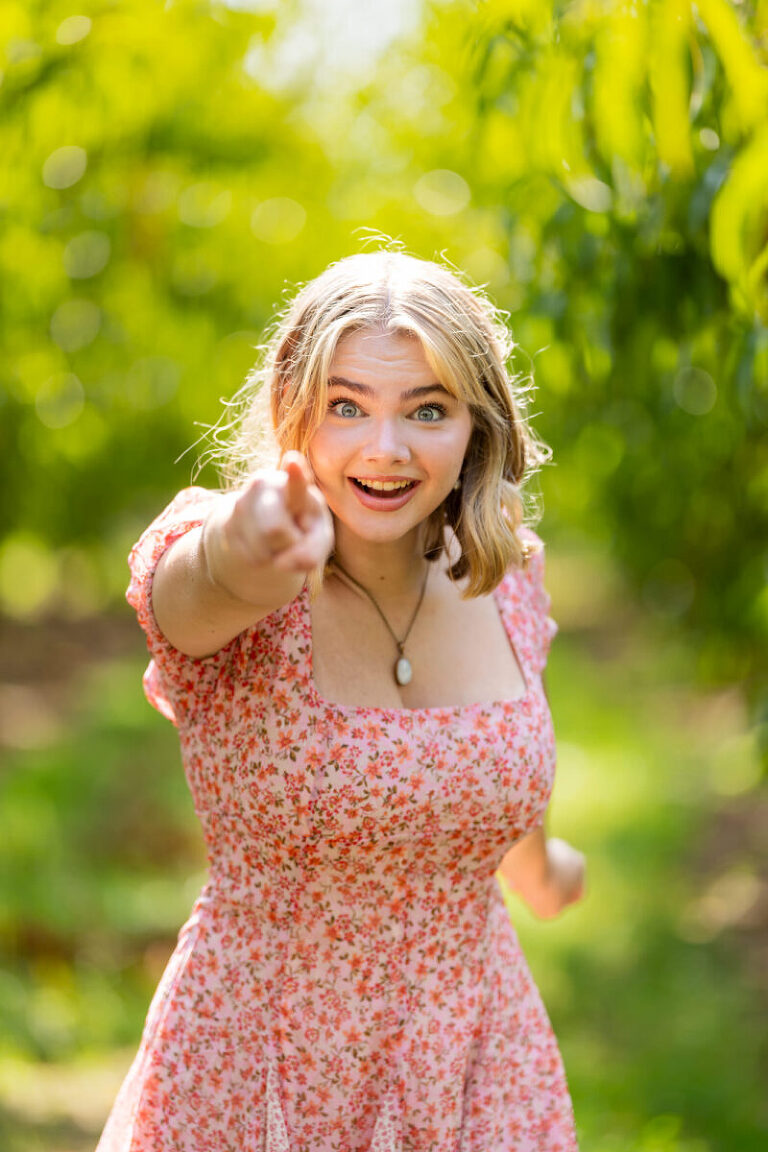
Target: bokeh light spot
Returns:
[[442, 192], [20, 51], [695, 391], [60, 400], [278, 221], [65, 166], [73, 30], [75, 324], [87, 254], [591, 193]]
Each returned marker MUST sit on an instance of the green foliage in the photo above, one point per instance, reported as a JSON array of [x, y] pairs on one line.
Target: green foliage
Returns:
[[133, 284], [599, 166], [627, 147]]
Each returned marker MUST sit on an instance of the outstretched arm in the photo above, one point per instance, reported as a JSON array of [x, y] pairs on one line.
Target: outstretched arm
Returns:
[[250, 557]]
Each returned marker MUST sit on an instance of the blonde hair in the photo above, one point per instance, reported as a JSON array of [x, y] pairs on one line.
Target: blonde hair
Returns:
[[466, 344]]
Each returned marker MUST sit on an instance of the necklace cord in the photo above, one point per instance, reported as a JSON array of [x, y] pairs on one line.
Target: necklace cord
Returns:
[[399, 643]]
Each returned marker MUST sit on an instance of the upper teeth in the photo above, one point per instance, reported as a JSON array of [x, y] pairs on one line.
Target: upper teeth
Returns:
[[386, 485]]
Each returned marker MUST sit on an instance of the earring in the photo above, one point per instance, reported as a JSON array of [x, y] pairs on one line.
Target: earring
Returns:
[[457, 485]]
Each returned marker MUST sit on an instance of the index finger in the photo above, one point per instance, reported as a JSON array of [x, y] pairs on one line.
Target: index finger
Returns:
[[297, 470]]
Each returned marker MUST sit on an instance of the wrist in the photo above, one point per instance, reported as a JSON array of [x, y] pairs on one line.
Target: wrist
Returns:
[[214, 548]]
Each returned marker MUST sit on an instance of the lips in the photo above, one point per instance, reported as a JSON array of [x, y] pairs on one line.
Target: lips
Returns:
[[383, 488], [383, 494]]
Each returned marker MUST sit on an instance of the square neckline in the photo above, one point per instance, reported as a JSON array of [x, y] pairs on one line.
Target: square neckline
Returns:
[[488, 705]]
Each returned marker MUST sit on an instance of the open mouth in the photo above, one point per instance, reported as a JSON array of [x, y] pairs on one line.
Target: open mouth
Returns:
[[384, 489]]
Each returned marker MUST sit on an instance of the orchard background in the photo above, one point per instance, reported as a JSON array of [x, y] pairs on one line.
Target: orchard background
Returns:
[[170, 172]]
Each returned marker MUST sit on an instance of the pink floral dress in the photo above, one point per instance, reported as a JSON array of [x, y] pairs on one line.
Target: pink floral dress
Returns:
[[348, 980]]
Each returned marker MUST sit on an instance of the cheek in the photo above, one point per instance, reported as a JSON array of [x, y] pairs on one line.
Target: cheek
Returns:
[[316, 460], [451, 447], [458, 434], [320, 443], [325, 452]]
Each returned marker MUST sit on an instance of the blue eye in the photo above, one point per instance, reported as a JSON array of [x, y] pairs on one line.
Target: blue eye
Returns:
[[430, 413], [344, 408]]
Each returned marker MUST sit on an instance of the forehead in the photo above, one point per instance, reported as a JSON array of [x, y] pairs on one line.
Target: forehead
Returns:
[[374, 351], [374, 357]]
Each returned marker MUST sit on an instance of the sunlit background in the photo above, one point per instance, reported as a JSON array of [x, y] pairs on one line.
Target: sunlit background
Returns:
[[169, 172]]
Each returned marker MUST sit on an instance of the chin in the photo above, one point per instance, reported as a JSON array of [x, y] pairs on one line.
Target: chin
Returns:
[[378, 533]]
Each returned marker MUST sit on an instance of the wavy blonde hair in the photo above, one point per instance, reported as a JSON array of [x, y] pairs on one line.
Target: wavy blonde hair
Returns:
[[467, 345]]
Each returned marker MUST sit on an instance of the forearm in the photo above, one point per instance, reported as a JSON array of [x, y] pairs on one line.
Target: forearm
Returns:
[[548, 873], [525, 865]]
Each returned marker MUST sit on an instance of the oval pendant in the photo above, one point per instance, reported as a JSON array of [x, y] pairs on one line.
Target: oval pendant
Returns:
[[403, 671]]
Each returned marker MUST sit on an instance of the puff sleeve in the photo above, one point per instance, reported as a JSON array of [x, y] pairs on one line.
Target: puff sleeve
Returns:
[[543, 627], [174, 683]]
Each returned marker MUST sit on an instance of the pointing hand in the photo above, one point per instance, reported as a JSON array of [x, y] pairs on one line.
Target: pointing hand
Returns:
[[281, 517]]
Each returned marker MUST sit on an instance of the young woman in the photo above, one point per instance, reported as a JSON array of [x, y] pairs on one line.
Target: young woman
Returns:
[[351, 645]]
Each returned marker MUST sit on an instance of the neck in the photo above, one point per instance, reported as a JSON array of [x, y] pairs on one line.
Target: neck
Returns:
[[389, 570]]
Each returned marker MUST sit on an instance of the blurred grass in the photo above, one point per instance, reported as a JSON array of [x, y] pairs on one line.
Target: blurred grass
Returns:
[[655, 984]]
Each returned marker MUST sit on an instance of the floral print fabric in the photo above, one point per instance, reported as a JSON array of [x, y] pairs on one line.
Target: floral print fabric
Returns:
[[349, 980]]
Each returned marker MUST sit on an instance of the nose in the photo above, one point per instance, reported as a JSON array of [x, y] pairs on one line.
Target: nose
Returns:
[[386, 442]]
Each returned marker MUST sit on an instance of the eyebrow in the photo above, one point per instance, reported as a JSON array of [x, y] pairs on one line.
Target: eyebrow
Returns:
[[409, 394]]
